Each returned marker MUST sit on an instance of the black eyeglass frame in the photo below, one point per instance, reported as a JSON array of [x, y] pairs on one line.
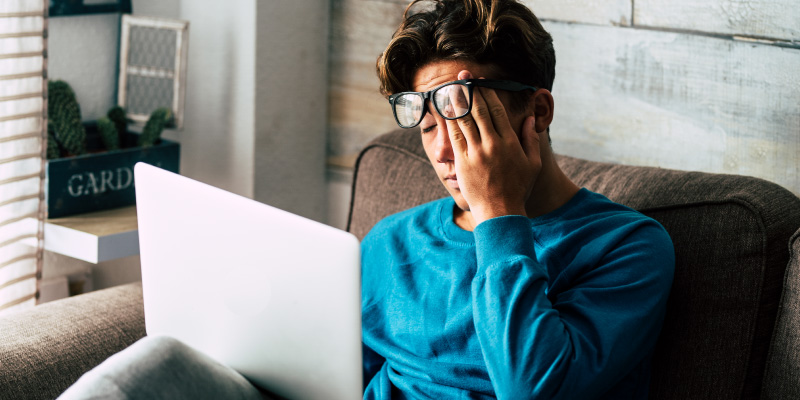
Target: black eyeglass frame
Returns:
[[471, 84]]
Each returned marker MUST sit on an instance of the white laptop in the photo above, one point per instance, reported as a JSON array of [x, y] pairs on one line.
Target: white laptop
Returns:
[[273, 295]]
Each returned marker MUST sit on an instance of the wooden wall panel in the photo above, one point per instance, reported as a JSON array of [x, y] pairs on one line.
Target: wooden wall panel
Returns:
[[777, 19], [678, 101], [360, 31], [602, 12]]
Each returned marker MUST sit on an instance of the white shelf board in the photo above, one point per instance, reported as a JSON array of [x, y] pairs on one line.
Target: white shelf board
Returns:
[[94, 237]]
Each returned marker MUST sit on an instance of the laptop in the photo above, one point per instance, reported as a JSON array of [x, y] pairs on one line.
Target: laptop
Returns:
[[273, 295]]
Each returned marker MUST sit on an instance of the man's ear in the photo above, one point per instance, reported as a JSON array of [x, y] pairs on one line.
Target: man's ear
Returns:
[[543, 107]]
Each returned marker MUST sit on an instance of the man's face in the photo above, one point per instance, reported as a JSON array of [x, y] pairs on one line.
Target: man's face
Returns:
[[433, 128]]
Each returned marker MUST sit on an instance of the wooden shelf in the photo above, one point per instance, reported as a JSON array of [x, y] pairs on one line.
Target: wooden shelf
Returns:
[[94, 237]]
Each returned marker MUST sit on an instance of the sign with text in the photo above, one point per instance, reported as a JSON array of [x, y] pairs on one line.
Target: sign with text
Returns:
[[100, 181]]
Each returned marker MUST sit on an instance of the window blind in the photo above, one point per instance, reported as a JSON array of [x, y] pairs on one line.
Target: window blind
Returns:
[[23, 135]]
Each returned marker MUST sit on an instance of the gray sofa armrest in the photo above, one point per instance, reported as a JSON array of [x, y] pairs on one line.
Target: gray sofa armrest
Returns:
[[46, 349], [782, 377]]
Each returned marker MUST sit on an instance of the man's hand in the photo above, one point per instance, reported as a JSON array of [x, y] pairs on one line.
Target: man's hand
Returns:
[[495, 170]]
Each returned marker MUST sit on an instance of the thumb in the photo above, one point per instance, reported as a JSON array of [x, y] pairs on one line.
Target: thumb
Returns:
[[530, 139]]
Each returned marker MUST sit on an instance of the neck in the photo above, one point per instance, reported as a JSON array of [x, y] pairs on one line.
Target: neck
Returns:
[[552, 189]]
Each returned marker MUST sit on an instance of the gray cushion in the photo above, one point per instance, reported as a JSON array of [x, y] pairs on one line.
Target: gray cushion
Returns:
[[46, 349], [782, 379], [730, 234], [392, 174]]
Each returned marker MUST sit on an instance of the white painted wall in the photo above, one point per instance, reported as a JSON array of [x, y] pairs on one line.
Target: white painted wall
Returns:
[[291, 105], [82, 50], [157, 8], [218, 135], [339, 188]]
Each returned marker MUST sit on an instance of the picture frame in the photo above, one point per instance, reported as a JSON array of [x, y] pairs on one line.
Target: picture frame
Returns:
[[152, 67]]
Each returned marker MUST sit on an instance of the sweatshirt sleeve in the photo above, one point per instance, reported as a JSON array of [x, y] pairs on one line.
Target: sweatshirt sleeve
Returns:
[[372, 363], [584, 340]]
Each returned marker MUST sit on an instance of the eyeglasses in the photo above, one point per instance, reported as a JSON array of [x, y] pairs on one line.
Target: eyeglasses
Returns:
[[453, 100]]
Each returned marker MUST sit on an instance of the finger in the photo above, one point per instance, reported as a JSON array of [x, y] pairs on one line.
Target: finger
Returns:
[[466, 124], [457, 105], [481, 115], [497, 112], [457, 139], [468, 127], [459, 100], [530, 139], [458, 97]]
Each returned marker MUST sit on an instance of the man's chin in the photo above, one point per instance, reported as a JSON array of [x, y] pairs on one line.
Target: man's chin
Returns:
[[455, 193], [460, 202]]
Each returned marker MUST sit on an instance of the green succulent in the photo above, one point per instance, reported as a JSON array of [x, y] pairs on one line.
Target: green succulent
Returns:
[[65, 115], [155, 125], [53, 151], [108, 133], [118, 116]]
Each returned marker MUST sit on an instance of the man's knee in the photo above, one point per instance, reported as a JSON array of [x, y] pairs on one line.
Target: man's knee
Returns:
[[161, 367], [164, 350], [119, 375], [167, 345]]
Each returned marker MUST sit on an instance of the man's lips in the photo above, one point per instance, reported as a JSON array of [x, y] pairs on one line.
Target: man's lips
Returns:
[[451, 181]]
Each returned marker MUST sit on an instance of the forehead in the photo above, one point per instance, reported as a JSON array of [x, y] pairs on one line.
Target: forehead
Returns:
[[436, 73]]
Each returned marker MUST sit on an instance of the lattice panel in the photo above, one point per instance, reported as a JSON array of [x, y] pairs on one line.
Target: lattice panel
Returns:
[[153, 67]]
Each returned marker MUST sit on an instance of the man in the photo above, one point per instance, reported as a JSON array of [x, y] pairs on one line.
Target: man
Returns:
[[519, 285]]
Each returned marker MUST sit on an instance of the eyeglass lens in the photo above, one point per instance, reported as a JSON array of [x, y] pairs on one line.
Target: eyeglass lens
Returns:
[[408, 109], [451, 101]]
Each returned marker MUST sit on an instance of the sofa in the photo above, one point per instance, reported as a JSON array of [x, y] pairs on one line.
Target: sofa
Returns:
[[732, 329]]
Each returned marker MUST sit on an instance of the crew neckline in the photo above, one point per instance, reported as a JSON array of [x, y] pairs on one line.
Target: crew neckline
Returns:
[[451, 230]]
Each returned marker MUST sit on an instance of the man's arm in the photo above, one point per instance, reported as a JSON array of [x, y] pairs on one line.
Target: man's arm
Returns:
[[588, 337], [592, 335]]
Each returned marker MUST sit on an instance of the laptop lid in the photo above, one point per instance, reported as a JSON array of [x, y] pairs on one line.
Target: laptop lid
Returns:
[[271, 294]]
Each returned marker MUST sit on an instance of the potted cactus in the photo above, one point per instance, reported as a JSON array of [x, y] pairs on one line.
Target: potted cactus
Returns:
[[90, 165]]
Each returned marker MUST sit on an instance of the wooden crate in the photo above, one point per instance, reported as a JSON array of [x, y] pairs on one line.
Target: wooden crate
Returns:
[[102, 180]]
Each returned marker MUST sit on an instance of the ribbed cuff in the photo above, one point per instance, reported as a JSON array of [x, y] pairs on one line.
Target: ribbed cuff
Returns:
[[499, 239]]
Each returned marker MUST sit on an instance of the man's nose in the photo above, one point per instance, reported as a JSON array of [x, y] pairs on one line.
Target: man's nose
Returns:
[[443, 150]]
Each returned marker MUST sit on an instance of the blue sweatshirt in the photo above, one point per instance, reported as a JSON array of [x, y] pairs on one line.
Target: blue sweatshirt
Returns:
[[567, 305]]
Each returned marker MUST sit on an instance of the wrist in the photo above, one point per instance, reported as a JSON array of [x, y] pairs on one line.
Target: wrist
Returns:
[[481, 214], [500, 239]]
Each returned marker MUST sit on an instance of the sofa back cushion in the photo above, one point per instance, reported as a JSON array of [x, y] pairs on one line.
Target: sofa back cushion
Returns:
[[730, 234], [392, 174]]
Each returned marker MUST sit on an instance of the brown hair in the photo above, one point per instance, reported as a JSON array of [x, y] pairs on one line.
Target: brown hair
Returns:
[[503, 34]]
